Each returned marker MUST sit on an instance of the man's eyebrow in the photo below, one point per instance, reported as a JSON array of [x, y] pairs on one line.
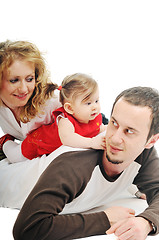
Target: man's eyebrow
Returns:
[[133, 129], [114, 119]]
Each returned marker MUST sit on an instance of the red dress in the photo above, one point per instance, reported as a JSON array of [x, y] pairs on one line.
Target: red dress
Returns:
[[45, 139]]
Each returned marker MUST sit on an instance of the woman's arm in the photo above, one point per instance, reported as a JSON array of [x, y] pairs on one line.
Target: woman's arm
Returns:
[[70, 138]]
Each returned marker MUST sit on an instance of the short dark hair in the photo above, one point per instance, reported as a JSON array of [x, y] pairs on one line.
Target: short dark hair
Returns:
[[144, 97]]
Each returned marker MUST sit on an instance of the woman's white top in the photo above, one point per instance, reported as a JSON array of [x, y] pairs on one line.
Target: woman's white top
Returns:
[[19, 178], [9, 124]]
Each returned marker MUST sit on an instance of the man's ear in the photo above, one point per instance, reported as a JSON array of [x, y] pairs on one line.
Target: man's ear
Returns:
[[152, 141], [68, 108]]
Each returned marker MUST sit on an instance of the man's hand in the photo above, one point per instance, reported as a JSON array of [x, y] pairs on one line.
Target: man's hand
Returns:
[[116, 214], [131, 228]]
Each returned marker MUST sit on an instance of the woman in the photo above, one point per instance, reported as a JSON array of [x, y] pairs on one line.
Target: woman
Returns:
[[25, 103]]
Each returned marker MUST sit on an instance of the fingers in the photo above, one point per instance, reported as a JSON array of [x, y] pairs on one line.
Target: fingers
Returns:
[[133, 228], [103, 145], [124, 215], [115, 227], [131, 211]]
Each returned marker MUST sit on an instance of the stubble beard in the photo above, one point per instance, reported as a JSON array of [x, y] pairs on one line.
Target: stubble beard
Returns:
[[113, 161]]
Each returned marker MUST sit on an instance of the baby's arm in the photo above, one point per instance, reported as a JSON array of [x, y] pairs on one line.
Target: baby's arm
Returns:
[[103, 127], [70, 138]]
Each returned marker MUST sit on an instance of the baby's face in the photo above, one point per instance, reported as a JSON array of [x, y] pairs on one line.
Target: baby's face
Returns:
[[86, 109]]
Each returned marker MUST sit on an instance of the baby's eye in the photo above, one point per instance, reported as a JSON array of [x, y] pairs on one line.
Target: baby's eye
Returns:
[[97, 101], [88, 103]]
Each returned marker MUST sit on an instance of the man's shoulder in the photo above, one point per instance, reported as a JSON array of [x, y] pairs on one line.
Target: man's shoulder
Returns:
[[80, 157], [147, 155], [80, 162], [72, 169]]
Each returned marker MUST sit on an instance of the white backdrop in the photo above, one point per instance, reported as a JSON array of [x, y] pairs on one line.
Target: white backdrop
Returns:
[[117, 42]]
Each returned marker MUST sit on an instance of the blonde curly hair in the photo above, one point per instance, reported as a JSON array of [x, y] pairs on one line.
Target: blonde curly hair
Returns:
[[11, 50]]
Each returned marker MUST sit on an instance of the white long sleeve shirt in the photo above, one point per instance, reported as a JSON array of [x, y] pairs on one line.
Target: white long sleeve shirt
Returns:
[[9, 124]]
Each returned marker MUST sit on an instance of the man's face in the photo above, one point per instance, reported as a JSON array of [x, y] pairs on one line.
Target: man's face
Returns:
[[126, 135]]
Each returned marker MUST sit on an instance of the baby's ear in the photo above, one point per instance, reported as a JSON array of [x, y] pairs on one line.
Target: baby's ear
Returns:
[[152, 141], [68, 108]]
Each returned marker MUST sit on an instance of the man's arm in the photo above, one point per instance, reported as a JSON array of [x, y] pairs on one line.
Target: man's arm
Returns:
[[63, 180], [147, 181]]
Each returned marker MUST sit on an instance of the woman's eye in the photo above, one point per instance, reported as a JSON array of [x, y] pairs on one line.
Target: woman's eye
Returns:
[[30, 79], [14, 80]]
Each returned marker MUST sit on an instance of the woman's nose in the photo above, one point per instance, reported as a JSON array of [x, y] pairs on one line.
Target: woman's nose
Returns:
[[23, 86]]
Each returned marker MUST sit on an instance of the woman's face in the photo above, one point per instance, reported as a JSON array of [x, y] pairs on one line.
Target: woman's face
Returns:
[[18, 84]]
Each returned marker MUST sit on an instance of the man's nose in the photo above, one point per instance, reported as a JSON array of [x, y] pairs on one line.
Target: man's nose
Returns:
[[117, 137]]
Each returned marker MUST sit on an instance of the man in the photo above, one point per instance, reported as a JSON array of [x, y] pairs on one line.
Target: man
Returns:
[[79, 181]]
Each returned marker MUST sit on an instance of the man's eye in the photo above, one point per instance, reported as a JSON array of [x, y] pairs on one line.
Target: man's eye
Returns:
[[129, 131], [114, 123]]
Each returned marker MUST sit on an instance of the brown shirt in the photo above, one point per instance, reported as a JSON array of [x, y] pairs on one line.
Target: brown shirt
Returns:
[[47, 213]]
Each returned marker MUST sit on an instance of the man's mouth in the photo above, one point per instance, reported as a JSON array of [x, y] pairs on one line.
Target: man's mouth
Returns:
[[114, 149]]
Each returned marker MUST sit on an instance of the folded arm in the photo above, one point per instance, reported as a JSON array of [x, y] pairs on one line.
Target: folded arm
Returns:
[[63, 180]]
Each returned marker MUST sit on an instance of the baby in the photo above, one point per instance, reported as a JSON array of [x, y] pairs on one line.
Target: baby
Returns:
[[76, 124]]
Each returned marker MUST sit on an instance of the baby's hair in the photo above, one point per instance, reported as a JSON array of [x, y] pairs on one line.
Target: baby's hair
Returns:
[[75, 85]]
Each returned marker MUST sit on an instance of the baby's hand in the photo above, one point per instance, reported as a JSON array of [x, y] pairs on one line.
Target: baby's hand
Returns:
[[98, 142], [103, 128]]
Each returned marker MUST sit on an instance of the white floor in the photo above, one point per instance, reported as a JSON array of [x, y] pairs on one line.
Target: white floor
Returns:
[[8, 217]]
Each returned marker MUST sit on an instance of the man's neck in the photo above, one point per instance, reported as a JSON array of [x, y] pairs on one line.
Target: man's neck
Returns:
[[112, 170]]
